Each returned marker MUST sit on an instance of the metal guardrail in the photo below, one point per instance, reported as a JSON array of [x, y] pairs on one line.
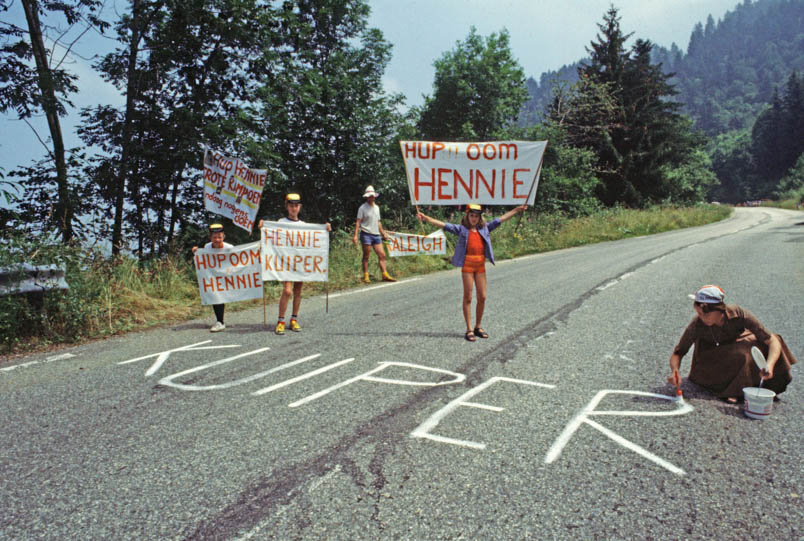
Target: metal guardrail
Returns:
[[27, 278]]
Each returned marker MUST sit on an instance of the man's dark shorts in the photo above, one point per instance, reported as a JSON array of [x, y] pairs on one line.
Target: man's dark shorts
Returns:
[[369, 239]]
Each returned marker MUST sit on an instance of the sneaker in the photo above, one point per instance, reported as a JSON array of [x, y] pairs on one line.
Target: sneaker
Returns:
[[218, 327], [387, 277], [280, 328], [366, 278], [294, 326]]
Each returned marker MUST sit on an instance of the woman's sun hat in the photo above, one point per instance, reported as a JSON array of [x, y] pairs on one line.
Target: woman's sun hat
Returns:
[[710, 294], [370, 192], [473, 207]]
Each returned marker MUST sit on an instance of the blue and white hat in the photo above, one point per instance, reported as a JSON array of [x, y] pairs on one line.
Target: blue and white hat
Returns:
[[710, 294]]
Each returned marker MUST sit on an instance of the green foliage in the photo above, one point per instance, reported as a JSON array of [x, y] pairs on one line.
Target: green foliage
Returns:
[[323, 112], [478, 91]]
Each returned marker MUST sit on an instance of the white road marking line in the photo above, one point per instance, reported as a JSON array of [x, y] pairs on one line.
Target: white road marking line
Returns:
[[10, 368], [365, 289], [59, 357]]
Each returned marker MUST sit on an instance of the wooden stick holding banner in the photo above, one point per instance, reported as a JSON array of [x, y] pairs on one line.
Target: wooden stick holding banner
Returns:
[[327, 309], [533, 185]]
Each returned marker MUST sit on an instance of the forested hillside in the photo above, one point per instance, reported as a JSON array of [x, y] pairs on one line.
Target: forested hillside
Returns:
[[730, 68]]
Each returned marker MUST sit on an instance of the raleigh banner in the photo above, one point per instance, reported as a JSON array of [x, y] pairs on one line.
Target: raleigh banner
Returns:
[[404, 244], [491, 173], [232, 189], [229, 274], [294, 252]]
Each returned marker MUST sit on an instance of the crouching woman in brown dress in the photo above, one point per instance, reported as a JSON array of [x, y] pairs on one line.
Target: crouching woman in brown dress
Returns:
[[723, 335]]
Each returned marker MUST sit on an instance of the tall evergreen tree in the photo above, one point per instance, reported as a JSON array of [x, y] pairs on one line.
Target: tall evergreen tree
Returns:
[[623, 111]]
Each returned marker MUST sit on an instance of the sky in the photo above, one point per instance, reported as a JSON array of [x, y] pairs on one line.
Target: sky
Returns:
[[544, 35]]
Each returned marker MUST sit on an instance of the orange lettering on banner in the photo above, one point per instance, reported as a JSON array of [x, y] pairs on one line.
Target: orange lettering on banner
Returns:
[[254, 256], [437, 147], [437, 244], [502, 180], [518, 182], [207, 284], [221, 259], [200, 262], [316, 261]]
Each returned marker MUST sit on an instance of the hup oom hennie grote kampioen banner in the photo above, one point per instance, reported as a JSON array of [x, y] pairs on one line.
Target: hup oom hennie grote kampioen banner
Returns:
[[487, 173]]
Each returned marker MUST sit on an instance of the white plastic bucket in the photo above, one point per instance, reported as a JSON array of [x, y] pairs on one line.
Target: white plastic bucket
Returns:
[[758, 402]]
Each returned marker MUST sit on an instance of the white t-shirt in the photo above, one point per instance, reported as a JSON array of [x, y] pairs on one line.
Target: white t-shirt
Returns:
[[287, 220], [369, 216]]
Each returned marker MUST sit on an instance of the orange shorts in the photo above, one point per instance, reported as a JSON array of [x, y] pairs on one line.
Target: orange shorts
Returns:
[[474, 264]]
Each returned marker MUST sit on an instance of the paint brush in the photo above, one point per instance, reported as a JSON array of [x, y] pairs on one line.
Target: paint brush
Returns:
[[679, 396]]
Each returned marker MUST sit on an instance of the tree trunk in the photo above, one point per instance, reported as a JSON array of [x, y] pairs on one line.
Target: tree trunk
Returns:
[[64, 204], [132, 90]]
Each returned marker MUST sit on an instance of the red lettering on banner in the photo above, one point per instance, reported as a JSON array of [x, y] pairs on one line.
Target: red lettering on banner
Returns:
[[469, 151], [478, 178], [493, 151], [437, 147], [518, 182], [502, 180], [442, 183], [506, 147], [422, 155], [207, 284], [221, 258], [317, 260], [459, 180], [417, 183], [409, 148]]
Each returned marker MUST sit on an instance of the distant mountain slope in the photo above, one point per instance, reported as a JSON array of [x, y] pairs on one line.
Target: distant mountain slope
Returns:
[[730, 68]]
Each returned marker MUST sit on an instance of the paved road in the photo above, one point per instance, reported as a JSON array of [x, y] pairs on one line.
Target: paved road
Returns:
[[379, 421]]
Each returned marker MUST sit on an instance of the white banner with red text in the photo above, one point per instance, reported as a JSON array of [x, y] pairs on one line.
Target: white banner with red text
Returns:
[[229, 274], [232, 189], [489, 173], [402, 244], [294, 252]]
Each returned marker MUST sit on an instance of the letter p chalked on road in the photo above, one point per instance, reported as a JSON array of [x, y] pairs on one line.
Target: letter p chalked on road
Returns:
[[427, 428]]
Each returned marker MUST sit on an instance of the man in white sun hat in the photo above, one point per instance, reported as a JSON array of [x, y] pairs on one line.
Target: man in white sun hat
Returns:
[[723, 335], [371, 234]]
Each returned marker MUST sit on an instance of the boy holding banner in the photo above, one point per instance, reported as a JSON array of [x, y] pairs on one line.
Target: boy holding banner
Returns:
[[216, 236], [371, 234], [471, 252], [293, 207]]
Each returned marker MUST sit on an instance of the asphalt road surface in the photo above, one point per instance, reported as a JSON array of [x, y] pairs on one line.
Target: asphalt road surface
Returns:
[[379, 421]]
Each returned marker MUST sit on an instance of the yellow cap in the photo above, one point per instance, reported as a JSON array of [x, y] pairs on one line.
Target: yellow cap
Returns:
[[215, 228], [472, 207], [293, 198]]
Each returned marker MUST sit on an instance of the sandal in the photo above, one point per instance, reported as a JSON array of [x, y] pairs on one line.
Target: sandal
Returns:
[[480, 332], [470, 336]]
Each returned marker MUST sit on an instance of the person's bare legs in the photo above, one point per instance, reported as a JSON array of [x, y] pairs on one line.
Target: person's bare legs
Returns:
[[297, 296], [480, 288], [366, 253], [287, 289], [380, 251], [468, 279]]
